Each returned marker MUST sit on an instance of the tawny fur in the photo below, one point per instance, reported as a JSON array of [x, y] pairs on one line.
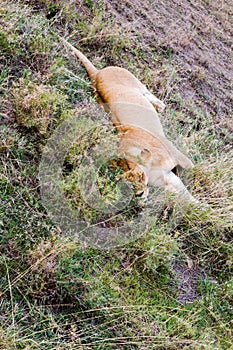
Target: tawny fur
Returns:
[[127, 99], [133, 110]]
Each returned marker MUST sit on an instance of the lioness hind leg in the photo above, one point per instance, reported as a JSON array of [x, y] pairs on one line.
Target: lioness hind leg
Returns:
[[157, 103]]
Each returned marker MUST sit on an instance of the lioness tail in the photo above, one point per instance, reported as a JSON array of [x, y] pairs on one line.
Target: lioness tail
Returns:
[[90, 68]]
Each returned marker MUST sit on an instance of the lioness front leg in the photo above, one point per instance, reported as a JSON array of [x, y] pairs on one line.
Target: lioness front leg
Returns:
[[173, 184]]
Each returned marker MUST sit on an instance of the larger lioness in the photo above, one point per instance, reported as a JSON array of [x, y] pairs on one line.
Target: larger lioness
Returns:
[[132, 109]]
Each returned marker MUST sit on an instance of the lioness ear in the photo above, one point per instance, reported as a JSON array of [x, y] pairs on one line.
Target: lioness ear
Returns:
[[145, 154]]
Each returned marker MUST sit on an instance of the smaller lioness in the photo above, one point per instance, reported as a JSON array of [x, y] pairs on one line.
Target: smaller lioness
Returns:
[[132, 108], [155, 157]]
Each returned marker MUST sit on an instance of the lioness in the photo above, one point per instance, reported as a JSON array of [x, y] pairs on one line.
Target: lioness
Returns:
[[132, 109]]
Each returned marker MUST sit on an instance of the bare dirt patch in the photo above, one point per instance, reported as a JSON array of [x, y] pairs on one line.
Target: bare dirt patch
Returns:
[[186, 280], [198, 34]]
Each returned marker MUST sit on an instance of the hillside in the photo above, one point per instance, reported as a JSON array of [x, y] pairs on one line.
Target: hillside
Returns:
[[169, 286]]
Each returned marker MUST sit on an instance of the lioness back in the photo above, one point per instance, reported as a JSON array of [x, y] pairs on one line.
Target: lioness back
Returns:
[[119, 76]]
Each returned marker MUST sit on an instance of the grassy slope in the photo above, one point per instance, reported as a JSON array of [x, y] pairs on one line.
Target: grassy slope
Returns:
[[57, 294]]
